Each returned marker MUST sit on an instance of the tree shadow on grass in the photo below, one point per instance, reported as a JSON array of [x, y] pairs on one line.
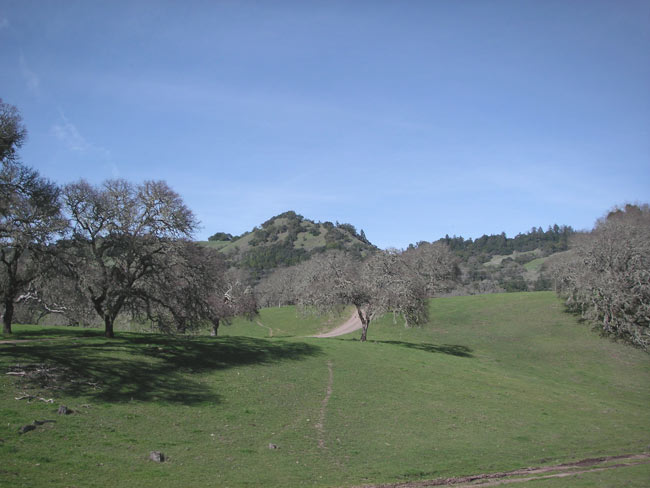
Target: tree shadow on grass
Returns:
[[143, 368], [50, 333], [452, 349]]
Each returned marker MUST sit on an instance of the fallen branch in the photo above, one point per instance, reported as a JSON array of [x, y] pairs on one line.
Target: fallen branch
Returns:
[[32, 397]]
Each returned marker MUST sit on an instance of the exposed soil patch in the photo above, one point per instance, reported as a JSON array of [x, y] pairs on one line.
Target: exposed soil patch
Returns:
[[516, 476]]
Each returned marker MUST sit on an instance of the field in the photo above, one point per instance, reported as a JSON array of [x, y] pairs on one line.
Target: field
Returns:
[[492, 383]]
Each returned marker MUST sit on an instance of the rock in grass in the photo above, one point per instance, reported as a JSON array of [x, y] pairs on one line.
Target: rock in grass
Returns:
[[273, 446], [157, 456], [26, 428], [63, 410]]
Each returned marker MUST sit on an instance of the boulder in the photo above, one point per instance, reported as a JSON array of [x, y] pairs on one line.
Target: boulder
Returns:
[[157, 456]]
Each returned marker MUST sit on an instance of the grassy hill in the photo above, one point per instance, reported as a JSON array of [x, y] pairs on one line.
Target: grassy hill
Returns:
[[492, 383], [288, 239]]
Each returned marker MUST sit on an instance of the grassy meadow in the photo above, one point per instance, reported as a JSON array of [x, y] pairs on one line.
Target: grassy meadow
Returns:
[[491, 383]]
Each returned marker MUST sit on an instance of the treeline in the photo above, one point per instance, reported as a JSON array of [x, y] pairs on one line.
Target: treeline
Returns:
[[554, 239]]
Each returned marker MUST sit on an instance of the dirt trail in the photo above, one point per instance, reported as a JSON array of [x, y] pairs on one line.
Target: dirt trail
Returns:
[[592, 465], [320, 425], [266, 327], [350, 325]]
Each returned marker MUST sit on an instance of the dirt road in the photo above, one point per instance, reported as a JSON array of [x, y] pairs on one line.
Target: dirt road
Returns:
[[350, 325], [524, 475]]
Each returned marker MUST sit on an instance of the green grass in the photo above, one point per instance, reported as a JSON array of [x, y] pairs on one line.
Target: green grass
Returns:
[[492, 383], [535, 265], [497, 259], [218, 245], [284, 322]]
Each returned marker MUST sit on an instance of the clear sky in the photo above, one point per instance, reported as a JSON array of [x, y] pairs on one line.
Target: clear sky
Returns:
[[410, 120]]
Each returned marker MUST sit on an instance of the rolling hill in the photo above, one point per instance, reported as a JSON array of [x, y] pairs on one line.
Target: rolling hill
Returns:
[[288, 239]]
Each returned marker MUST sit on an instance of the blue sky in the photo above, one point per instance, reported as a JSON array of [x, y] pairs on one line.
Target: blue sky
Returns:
[[410, 120]]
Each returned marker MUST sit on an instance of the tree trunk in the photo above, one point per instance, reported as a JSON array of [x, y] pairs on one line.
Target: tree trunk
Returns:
[[364, 331], [215, 327], [7, 316], [365, 322], [108, 327]]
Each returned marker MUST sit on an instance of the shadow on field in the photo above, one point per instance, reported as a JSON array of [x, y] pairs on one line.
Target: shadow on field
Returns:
[[452, 349], [143, 368], [49, 332]]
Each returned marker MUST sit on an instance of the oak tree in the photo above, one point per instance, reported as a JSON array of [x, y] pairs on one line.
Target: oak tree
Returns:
[[123, 237], [30, 217], [382, 283]]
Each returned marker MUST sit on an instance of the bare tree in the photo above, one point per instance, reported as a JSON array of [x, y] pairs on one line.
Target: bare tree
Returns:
[[123, 237], [278, 288], [380, 284], [238, 300], [435, 264], [606, 276], [12, 132], [30, 217], [194, 290]]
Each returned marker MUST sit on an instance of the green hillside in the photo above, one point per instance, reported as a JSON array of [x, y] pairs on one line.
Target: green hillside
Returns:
[[491, 383], [288, 239]]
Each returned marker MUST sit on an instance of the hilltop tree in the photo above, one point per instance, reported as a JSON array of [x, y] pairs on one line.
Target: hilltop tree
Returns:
[[220, 236], [30, 217], [124, 237], [382, 283]]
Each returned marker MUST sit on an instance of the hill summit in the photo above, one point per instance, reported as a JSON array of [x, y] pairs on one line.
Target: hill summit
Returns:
[[288, 239]]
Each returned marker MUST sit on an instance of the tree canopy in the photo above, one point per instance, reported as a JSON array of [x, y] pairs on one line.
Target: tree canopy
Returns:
[[124, 236], [384, 282], [606, 276], [30, 216]]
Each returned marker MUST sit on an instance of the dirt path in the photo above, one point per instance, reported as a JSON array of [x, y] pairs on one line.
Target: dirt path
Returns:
[[266, 327], [592, 465], [320, 425], [350, 325]]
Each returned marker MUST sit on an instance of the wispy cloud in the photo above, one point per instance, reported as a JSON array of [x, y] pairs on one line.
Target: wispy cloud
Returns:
[[70, 136], [30, 77], [4, 23]]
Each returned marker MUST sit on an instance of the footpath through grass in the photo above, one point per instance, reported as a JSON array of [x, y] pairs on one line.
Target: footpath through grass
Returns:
[[492, 383]]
